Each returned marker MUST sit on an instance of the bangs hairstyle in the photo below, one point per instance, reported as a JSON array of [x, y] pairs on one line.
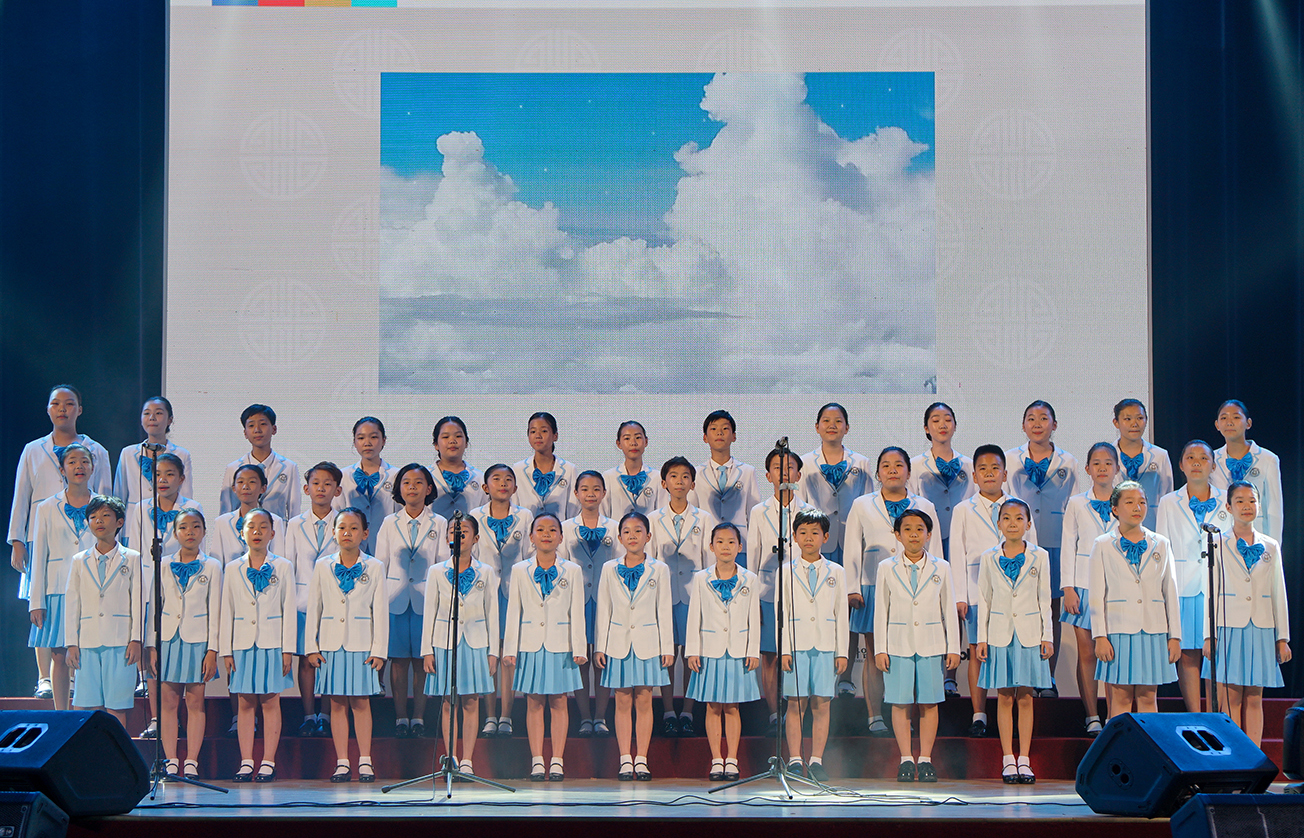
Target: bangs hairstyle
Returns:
[[1199, 442], [933, 408], [174, 461], [1041, 403], [1232, 488], [328, 467], [434, 435], [167, 405], [76, 394], [370, 420], [352, 510], [545, 416], [680, 462], [984, 450], [776, 452], [1103, 446], [716, 416], [540, 517], [833, 406], [913, 513], [1126, 403], [597, 475], [890, 449], [497, 467], [256, 410], [189, 510], [1027, 510], [1236, 403], [258, 510], [635, 516], [1126, 485], [99, 502], [623, 425], [255, 468], [77, 446], [811, 516], [727, 526], [397, 492]]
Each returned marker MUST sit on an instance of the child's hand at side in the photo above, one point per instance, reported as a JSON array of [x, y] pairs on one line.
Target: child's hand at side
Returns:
[[881, 661]]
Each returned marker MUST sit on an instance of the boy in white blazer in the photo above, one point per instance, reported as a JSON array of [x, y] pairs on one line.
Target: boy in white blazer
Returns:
[[1241, 459], [916, 622], [1147, 464], [540, 490], [815, 624], [133, 477], [727, 488], [631, 486], [681, 537], [368, 484], [281, 495], [103, 615]]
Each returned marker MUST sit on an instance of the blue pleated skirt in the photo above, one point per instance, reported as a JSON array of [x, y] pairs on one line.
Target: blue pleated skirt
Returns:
[[1192, 610], [105, 679], [1082, 620], [346, 673], [50, 634], [258, 672], [1247, 657], [812, 673], [633, 671], [547, 673], [182, 663], [473, 676], [724, 681], [862, 619], [590, 619], [1015, 665], [1140, 659]]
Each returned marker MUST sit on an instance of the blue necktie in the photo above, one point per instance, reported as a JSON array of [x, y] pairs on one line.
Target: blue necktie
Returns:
[[260, 578], [634, 483], [77, 514], [502, 527], [835, 474], [1011, 566], [896, 508], [1036, 470], [545, 579], [631, 575], [58, 452], [457, 480], [1202, 508], [723, 481], [163, 519], [1236, 467], [1251, 553], [321, 534], [914, 577], [1102, 509], [412, 534], [1132, 465], [185, 571], [725, 587], [103, 567], [679, 526], [543, 482], [812, 575], [347, 576], [592, 536], [146, 466], [366, 483], [948, 469], [465, 579], [1133, 550]]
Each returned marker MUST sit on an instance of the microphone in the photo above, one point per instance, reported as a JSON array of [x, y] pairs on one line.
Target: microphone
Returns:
[[1211, 529], [151, 446], [782, 443], [457, 516]]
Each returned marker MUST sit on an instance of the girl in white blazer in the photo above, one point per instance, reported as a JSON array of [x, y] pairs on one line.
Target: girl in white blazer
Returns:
[[634, 640], [919, 634], [1181, 516], [833, 476], [141, 518], [940, 474], [411, 541], [1252, 620], [725, 487], [133, 477], [256, 640], [590, 541], [544, 481], [348, 638], [545, 630], [459, 486], [248, 485], [368, 484], [1140, 461], [103, 615], [723, 646], [192, 611], [281, 495], [504, 543], [1135, 616], [1086, 518], [1241, 459], [62, 532], [477, 642], [632, 486], [871, 538], [1014, 632]]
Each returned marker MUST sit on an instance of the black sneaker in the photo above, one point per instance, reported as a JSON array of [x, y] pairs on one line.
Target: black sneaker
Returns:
[[773, 727], [402, 731], [309, 727], [670, 726], [817, 773], [978, 729], [418, 730], [926, 773], [796, 768], [686, 726], [906, 773]]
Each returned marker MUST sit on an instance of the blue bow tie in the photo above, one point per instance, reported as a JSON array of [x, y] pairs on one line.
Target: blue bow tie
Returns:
[[58, 452], [1238, 467], [260, 578], [1011, 566], [634, 483], [896, 508], [1036, 470], [1132, 465], [545, 579], [835, 474], [1102, 509], [464, 580], [1251, 553], [1133, 550], [725, 587], [366, 483], [543, 482], [948, 469], [185, 571], [163, 519], [146, 466], [502, 527], [347, 576], [76, 514], [457, 480], [239, 530], [1202, 508], [592, 536], [631, 575]]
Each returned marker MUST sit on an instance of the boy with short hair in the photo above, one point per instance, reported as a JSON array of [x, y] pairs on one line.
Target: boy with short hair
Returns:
[[725, 487], [282, 494]]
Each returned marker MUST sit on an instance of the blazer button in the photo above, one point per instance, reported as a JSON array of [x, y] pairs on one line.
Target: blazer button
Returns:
[[1247, 578], [1247, 599], [1138, 602], [916, 622], [812, 619], [916, 603], [1036, 512], [102, 613]]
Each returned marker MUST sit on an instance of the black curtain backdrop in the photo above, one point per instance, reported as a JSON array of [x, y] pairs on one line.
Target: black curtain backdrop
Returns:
[[82, 142]]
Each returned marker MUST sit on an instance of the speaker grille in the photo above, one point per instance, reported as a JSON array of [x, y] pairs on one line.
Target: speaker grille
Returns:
[[1234, 821]]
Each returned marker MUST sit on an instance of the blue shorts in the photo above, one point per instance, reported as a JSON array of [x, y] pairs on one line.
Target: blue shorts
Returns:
[[680, 613], [812, 674], [105, 679], [405, 634], [971, 623], [914, 680]]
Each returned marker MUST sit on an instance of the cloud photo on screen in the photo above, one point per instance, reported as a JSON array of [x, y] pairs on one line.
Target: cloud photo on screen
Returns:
[[657, 233]]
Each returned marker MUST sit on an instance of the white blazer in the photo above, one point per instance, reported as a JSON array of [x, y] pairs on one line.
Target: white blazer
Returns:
[[377, 508], [871, 539], [926, 480], [729, 497], [130, 485], [1127, 601], [1264, 475], [196, 612], [685, 555], [299, 542], [56, 542], [107, 614], [138, 534], [1018, 609], [229, 544], [915, 621], [477, 615], [555, 624], [763, 541], [641, 621], [447, 501], [575, 549], [1049, 501], [1082, 526], [1155, 476], [560, 497], [38, 478], [973, 533], [619, 501], [715, 627], [1179, 525], [284, 492], [408, 558], [516, 549], [1255, 596], [248, 618], [357, 621], [816, 617], [816, 490]]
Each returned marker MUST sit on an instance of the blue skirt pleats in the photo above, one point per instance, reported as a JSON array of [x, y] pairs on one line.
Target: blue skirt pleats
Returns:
[[547, 673], [1082, 619], [1247, 657], [346, 673], [1192, 611], [633, 671], [1140, 659], [259, 672], [862, 619], [50, 634], [1015, 665], [724, 681], [181, 662], [473, 676]]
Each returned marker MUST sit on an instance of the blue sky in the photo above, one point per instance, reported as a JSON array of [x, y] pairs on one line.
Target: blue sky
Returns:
[[601, 146]]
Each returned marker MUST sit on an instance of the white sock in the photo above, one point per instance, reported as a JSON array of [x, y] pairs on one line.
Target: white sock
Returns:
[[816, 760], [873, 719], [418, 721], [906, 759], [980, 717], [928, 760], [774, 717], [669, 714], [794, 760], [684, 715], [1091, 719], [400, 722]]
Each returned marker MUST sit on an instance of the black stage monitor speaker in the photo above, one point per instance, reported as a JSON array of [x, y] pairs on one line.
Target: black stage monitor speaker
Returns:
[[1292, 746], [1240, 816], [1148, 764], [84, 762], [30, 814]]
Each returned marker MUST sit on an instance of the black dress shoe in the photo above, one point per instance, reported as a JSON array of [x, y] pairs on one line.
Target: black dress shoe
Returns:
[[926, 773], [906, 773], [978, 729], [686, 726], [670, 726]]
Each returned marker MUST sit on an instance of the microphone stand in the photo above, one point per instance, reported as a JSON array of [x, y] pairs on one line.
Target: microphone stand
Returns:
[[1211, 614], [448, 770], [159, 772]]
